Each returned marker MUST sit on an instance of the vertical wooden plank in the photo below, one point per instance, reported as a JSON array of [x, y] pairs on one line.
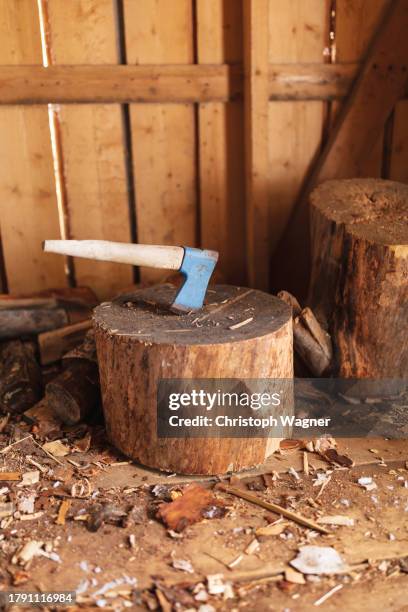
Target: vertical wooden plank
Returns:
[[356, 23], [399, 153], [28, 210], [161, 32], [256, 102], [221, 146], [298, 32], [84, 32]]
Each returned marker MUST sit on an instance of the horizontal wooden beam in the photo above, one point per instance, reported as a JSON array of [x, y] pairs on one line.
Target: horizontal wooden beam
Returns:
[[167, 83]]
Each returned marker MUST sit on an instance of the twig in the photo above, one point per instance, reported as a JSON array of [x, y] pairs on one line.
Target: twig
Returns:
[[328, 594], [294, 516], [324, 485], [6, 448]]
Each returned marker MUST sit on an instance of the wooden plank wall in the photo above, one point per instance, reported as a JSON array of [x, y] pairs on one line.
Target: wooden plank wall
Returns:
[[221, 174], [28, 204], [163, 135], [221, 142], [84, 32], [299, 33]]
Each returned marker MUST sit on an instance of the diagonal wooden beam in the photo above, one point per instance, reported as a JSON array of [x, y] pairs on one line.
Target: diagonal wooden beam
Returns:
[[381, 83]]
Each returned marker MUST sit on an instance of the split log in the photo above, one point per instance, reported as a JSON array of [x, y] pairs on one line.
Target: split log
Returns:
[[49, 310], [20, 377], [54, 344], [359, 285], [143, 343], [74, 394], [311, 342]]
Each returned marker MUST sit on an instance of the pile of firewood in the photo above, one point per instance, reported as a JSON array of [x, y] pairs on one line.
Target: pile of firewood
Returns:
[[47, 349]]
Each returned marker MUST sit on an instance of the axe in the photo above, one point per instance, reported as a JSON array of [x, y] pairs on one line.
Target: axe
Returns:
[[196, 265]]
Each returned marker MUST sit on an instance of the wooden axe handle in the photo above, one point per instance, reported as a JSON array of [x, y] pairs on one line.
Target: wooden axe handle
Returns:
[[154, 256]]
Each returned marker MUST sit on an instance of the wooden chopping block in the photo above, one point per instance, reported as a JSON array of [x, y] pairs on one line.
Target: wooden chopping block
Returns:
[[359, 281], [239, 334]]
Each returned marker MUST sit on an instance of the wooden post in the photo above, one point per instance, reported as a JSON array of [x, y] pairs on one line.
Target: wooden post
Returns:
[[245, 334], [256, 16]]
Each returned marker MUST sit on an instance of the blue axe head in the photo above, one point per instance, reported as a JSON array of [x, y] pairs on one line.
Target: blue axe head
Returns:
[[196, 267]]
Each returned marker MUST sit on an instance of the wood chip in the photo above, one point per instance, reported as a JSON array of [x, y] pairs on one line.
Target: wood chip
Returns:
[[273, 529], [29, 478], [62, 512], [241, 324], [56, 448], [337, 519], [291, 575], [6, 509], [9, 476], [31, 517], [305, 463], [325, 597], [252, 547]]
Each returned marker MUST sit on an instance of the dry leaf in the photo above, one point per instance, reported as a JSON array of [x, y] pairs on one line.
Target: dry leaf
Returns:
[[194, 505], [83, 444]]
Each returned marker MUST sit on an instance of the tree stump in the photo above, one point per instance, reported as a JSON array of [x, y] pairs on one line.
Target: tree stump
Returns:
[[140, 342], [359, 280]]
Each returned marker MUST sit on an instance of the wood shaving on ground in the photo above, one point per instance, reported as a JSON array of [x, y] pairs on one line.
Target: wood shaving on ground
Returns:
[[319, 560], [56, 448]]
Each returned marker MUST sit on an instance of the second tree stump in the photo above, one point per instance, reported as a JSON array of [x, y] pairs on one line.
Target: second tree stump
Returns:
[[359, 282]]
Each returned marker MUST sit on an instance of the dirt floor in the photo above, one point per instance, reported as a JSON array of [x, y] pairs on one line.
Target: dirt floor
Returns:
[[92, 520]]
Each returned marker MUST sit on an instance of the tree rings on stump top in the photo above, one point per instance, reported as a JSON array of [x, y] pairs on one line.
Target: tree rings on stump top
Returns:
[[240, 333], [359, 280], [146, 315]]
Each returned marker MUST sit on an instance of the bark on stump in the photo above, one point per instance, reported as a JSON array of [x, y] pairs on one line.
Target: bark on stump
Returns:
[[359, 281], [140, 342]]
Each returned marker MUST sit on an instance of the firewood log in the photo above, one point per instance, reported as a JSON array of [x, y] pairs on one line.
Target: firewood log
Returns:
[[20, 376], [74, 394], [359, 281]]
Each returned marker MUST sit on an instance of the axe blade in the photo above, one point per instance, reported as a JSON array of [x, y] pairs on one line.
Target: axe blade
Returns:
[[197, 267]]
